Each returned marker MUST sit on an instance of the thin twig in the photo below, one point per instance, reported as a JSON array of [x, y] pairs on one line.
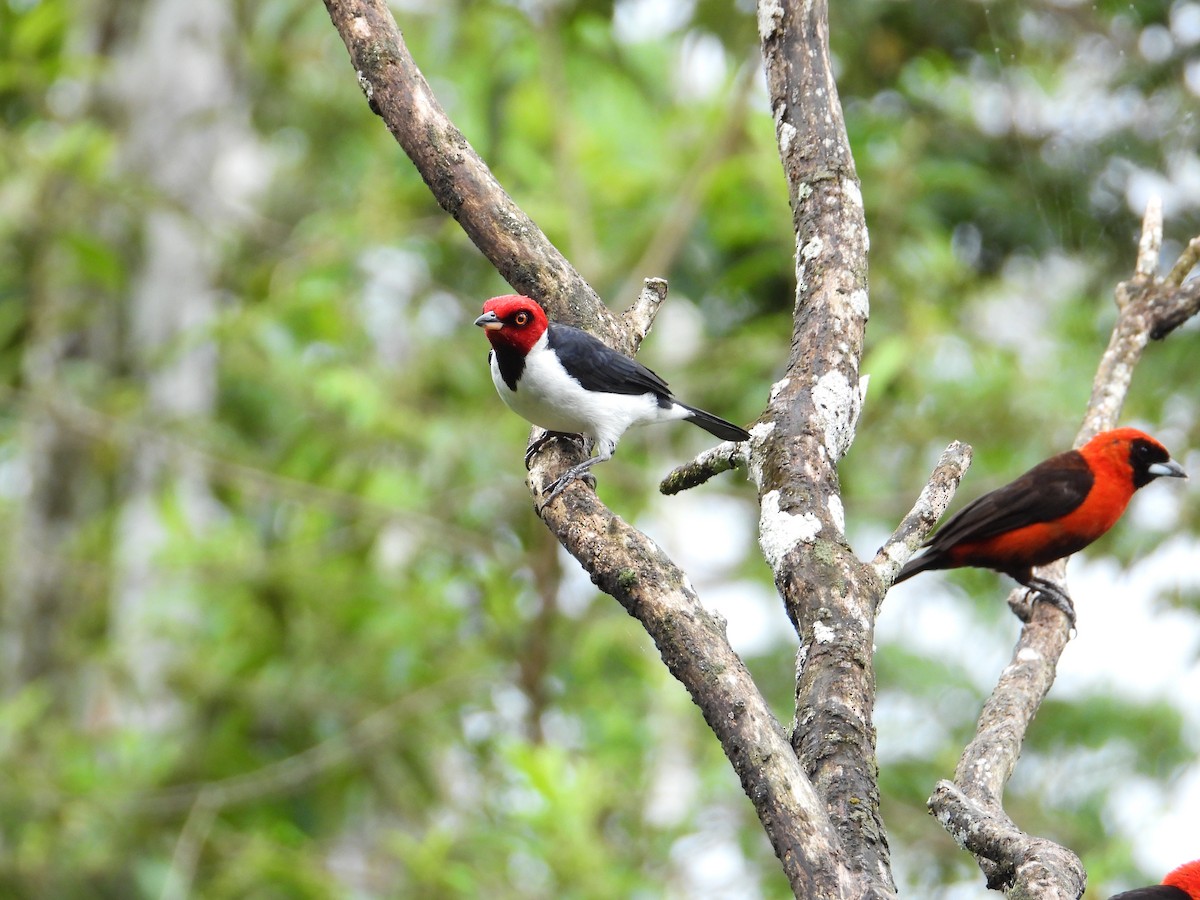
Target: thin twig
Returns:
[[639, 318], [190, 844], [1186, 262], [709, 464], [931, 505]]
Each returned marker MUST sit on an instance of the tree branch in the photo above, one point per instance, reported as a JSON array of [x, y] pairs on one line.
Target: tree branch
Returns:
[[621, 561], [971, 809], [1049, 871], [639, 318], [931, 505], [1186, 262], [458, 179], [721, 458], [628, 565], [808, 425], [725, 456]]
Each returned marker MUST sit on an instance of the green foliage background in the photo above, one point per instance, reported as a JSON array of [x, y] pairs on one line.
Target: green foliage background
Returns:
[[381, 678]]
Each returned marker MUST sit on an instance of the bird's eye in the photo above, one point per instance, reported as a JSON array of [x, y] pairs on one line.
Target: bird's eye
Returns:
[[521, 318]]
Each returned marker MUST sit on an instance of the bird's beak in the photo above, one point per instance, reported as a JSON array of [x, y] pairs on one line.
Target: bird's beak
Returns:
[[489, 321], [1169, 469]]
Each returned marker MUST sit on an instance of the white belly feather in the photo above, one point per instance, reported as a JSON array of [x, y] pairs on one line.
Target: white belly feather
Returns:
[[550, 398]]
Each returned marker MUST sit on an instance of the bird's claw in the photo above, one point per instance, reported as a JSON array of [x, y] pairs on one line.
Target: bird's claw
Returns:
[[546, 437], [1061, 603], [1043, 591], [558, 485]]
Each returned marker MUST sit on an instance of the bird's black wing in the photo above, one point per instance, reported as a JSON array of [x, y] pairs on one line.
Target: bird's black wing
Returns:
[[1049, 490], [1155, 892], [599, 367]]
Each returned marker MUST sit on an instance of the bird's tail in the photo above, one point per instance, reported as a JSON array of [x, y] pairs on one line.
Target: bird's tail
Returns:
[[927, 560], [715, 425]]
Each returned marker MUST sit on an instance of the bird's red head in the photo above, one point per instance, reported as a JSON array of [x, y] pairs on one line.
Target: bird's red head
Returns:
[[1131, 454], [1186, 878], [513, 321]]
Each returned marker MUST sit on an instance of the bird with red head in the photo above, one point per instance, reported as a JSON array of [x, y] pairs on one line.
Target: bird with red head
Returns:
[[1055, 509], [567, 381]]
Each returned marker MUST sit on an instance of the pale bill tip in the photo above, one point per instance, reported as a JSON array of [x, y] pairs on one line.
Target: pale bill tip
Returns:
[[489, 322], [1168, 469]]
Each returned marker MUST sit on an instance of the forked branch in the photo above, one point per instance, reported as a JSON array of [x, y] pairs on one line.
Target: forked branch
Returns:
[[971, 808], [621, 560]]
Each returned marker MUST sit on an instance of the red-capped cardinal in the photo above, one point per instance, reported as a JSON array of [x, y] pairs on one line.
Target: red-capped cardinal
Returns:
[[566, 381]]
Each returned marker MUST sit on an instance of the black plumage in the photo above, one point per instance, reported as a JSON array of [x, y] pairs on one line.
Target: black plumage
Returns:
[[511, 363], [1050, 490], [598, 367], [1154, 892]]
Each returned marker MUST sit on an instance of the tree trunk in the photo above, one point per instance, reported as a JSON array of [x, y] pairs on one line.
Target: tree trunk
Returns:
[[185, 131]]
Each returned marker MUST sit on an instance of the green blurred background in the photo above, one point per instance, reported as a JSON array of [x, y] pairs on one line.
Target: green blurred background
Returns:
[[278, 618]]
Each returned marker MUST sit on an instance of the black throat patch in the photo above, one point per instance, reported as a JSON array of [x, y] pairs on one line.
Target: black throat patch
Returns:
[[511, 363]]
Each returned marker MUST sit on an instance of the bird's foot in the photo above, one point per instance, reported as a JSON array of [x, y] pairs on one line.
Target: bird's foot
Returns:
[[1041, 590], [559, 484], [546, 437]]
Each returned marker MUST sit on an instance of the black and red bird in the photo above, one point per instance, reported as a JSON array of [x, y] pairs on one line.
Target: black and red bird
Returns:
[[1180, 884], [1055, 509], [565, 380]]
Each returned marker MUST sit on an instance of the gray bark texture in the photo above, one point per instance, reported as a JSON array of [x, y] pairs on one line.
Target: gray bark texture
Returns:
[[809, 424]]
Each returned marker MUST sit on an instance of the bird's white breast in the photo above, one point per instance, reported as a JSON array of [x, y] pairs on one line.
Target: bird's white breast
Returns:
[[550, 398]]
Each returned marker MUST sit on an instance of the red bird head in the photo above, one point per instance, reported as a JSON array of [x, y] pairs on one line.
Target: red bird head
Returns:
[[1186, 878], [1132, 455], [513, 321]]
